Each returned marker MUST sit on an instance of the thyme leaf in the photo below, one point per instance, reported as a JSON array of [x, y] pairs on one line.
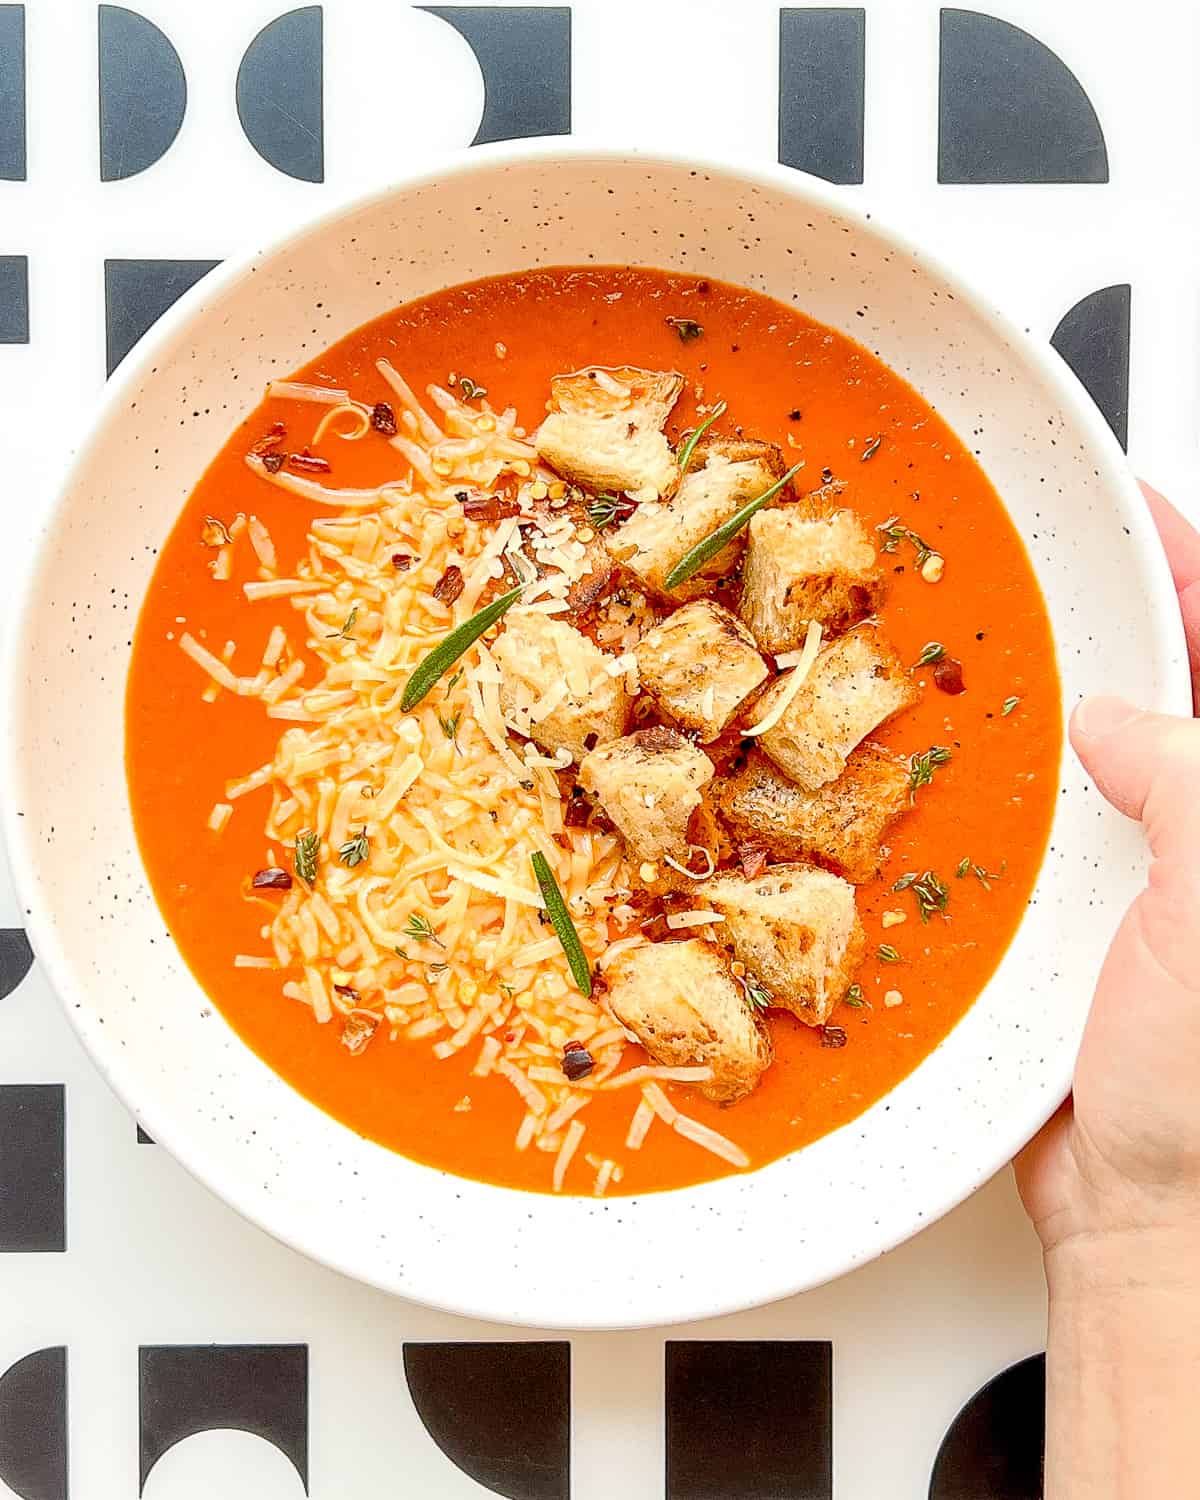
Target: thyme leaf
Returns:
[[686, 328], [308, 845], [356, 849]]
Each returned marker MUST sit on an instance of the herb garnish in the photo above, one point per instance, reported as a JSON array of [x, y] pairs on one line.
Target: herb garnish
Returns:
[[855, 998], [469, 389], [431, 668], [686, 328], [984, 877], [356, 849], [603, 510], [344, 633], [308, 845], [894, 533], [450, 726], [871, 449], [1009, 705], [564, 928], [934, 651], [930, 891], [757, 996], [455, 680], [889, 955], [964, 865], [694, 559], [922, 767], [684, 457], [419, 928]]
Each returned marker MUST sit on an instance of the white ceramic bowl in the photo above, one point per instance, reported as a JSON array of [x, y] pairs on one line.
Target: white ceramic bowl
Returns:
[[202, 1094]]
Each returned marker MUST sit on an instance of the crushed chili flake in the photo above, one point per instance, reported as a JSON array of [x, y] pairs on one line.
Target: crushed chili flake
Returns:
[[270, 439], [349, 991], [401, 561], [482, 505], [577, 811], [577, 1061], [753, 858], [833, 1036], [357, 1030], [383, 418], [948, 675], [309, 462], [272, 462], [272, 879], [449, 586], [215, 533]]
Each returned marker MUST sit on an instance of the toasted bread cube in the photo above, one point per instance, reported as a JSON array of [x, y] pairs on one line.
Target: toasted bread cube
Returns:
[[724, 474], [649, 785], [854, 685], [842, 825], [802, 567], [797, 931], [687, 1010], [699, 665], [555, 685], [605, 430]]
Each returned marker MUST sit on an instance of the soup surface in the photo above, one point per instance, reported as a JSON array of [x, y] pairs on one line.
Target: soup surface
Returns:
[[421, 1044]]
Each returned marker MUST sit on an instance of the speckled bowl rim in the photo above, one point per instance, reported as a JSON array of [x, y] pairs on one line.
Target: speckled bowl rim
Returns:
[[1118, 480]]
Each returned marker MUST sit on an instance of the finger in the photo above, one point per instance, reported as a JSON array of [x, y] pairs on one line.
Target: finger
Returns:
[[1147, 766], [1180, 539]]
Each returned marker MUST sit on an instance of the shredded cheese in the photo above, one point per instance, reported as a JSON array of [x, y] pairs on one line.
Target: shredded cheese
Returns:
[[793, 683]]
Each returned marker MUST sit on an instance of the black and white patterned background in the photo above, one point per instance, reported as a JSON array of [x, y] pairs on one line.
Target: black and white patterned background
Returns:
[[150, 1341]]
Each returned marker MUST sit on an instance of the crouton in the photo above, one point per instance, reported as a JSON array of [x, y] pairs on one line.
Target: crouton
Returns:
[[854, 685], [724, 474], [649, 785], [796, 930], [555, 686], [802, 566], [687, 1010], [605, 430], [842, 825], [699, 665]]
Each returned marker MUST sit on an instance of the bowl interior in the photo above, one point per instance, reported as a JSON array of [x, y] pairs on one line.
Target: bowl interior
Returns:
[[202, 1094]]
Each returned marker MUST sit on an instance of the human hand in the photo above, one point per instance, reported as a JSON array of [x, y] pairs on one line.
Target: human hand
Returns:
[[1123, 1155]]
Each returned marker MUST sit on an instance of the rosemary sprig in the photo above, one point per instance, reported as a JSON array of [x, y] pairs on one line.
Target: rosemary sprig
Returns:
[[443, 656], [344, 633], [921, 767], [564, 928], [684, 457], [694, 559]]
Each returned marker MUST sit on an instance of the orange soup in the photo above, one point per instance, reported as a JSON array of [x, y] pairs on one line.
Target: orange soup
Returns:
[[348, 876]]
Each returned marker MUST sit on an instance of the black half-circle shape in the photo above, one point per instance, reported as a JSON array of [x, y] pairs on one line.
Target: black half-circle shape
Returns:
[[1093, 338], [143, 93], [12, 93], [16, 956], [524, 54], [14, 299], [724, 1439], [1010, 110], [281, 93], [822, 74], [138, 292], [475, 1401], [33, 1215], [33, 1425], [994, 1447], [257, 1388]]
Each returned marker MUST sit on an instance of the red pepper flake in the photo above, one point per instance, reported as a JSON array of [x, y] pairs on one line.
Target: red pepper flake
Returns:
[[754, 860], [273, 462], [273, 879], [309, 462], [480, 505], [449, 586], [577, 810], [401, 561], [948, 675], [349, 991], [269, 440], [383, 418], [357, 1030], [833, 1036], [577, 1061]]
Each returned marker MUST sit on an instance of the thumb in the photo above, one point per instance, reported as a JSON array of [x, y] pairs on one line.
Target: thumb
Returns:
[[1146, 765]]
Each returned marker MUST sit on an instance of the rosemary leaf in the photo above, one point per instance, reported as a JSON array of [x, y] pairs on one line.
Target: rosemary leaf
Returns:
[[560, 918], [443, 656], [708, 547]]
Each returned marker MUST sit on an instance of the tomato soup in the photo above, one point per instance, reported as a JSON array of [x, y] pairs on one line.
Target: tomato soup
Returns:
[[981, 803]]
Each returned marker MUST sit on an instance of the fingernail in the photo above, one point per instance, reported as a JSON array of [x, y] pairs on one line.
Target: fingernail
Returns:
[[1097, 717]]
